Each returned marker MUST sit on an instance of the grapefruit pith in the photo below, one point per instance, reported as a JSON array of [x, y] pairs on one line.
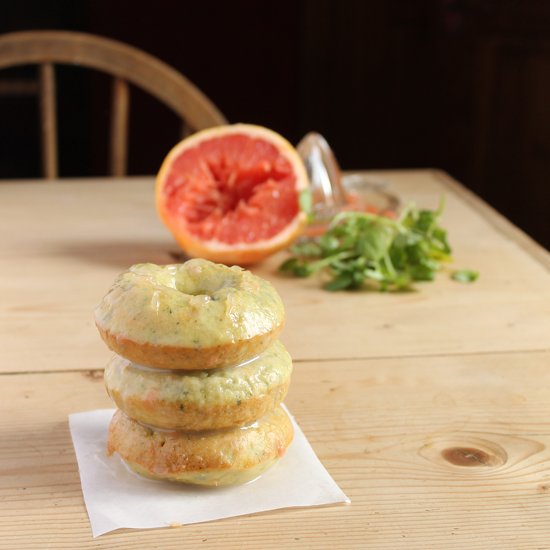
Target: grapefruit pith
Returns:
[[230, 194]]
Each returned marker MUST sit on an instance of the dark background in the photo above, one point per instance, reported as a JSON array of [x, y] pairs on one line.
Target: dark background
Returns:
[[455, 84]]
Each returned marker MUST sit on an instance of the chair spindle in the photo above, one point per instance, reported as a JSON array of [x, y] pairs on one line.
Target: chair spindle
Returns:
[[49, 120]]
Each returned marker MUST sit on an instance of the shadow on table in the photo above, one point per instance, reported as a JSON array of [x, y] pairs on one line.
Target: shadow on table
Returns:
[[122, 254]]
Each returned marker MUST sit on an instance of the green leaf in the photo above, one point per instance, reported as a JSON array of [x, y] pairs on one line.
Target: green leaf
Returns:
[[402, 281], [297, 267], [342, 281], [329, 243], [423, 272], [362, 249], [375, 241], [307, 248], [425, 221], [289, 265], [439, 239], [465, 275]]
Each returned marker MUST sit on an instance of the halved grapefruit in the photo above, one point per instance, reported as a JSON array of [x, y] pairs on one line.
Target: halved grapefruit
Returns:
[[230, 194]]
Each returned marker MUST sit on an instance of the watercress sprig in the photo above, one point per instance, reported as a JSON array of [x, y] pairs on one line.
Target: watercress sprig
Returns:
[[361, 249]]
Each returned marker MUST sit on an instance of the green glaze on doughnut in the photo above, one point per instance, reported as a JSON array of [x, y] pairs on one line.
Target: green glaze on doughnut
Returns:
[[204, 388], [193, 305]]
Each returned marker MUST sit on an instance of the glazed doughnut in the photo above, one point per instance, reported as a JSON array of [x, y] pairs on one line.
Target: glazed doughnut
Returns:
[[196, 315], [201, 400], [218, 457]]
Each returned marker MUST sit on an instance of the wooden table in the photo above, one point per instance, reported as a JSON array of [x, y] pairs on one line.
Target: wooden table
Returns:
[[430, 409]]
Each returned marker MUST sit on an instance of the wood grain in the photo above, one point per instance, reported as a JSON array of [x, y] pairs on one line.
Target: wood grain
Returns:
[[433, 452], [65, 242]]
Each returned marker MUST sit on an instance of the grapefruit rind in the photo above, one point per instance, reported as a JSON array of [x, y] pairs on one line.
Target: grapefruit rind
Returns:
[[215, 250]]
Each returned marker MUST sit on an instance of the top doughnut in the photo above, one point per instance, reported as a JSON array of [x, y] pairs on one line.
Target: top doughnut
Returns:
[[196, 315]]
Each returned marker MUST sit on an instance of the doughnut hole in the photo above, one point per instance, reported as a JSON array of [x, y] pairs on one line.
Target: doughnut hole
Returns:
[[197, 281]]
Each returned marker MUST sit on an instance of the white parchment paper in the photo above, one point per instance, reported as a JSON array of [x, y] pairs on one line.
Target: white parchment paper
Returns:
[[115, 497]]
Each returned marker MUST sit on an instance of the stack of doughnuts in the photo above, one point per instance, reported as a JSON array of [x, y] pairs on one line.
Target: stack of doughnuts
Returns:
[[199, 373]]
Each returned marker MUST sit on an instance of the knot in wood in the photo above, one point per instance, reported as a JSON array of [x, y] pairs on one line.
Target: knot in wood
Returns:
[[469, 456]]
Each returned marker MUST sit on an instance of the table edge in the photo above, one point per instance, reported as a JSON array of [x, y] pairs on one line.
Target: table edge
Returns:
[[495, 218]]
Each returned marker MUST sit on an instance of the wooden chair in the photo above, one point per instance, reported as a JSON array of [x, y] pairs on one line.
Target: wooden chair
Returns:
[[126, 64]]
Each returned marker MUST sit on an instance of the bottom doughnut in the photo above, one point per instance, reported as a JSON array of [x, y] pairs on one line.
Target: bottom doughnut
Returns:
[[214, 458]]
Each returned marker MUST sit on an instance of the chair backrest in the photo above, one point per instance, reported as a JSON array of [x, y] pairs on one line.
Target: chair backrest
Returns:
[[125, 63]]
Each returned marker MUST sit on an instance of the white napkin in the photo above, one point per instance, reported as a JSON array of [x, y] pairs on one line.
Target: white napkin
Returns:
[[116, 497]]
